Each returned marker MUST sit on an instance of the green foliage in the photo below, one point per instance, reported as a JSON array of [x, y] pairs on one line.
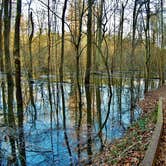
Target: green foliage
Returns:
[[142, 124]]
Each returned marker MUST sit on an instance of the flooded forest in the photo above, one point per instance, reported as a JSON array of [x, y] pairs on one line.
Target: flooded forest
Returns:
[[72, 73]]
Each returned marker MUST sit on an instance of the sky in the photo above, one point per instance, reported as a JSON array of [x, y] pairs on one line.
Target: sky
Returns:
[[38, 6]]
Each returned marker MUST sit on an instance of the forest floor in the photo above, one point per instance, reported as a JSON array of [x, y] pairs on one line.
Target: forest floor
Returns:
[[148, 104], [161, 153], [131, 149]]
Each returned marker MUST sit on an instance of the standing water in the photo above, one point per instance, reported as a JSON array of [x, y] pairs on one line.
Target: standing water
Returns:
[[58, 135]]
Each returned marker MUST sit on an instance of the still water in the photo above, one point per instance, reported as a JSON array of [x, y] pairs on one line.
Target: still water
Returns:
[[57, 136]]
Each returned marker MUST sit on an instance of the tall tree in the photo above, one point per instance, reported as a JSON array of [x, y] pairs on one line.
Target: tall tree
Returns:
[[120, 49], [1, 46], [162, 79], [30, 36], [30, 70], [62, 61], [2, 62], [147, 45], [89, 44], [99, 33], [16, 53], [49, 36], [48, 60], [76, 25], [8, 70], [87, 76], [136, 10], [97, 61]]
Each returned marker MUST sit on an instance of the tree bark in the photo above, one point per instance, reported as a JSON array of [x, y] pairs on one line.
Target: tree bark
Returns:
[[62, 62], [1, 46], [147, 46], [20, 114], [30, 72], [2, 64], [8, 70], [87, 79], [162, 79]]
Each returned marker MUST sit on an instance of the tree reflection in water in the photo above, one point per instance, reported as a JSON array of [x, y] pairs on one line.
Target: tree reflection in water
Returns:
[[67, 133]]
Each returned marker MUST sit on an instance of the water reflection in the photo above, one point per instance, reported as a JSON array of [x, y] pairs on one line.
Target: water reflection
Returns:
[[67, 123]]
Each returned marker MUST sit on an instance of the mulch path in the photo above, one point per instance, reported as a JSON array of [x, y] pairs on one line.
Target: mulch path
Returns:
[[149, 103]]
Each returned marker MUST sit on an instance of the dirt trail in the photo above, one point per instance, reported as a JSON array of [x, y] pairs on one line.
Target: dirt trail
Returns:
[[151, 99]]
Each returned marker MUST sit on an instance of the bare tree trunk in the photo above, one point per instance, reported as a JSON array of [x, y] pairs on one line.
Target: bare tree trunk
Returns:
[[97, 62], [62, 62], [48, 63], [2, 64], [132, 57], [30, 72], [89, 44], [99, 33], [49, 38], [8, 69], [56, 69], [162, 79], [1, 46], [120, 43], [136, 11], [134, 24], [87, 78], [147, 45], [20, 110], [77, 44], [30, 45]]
